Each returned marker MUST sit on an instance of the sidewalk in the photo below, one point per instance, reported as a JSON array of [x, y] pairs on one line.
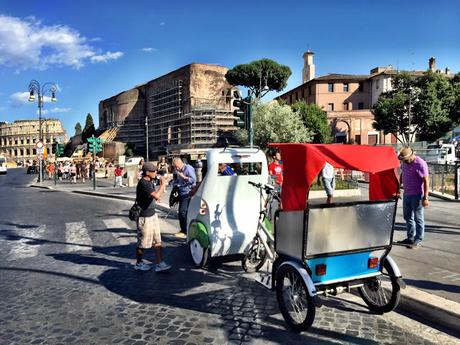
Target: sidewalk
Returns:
[[432, 273]]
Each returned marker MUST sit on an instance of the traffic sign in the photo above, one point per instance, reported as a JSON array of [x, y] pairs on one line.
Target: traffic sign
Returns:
[[39, 144]]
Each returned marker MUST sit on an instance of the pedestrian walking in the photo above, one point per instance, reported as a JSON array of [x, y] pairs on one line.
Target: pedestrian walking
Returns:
[[60, 171], [414, 178], [148, 226], [73, 173], [139, 169], [83, 171], [328, 180], [118, 181], [185, 180]]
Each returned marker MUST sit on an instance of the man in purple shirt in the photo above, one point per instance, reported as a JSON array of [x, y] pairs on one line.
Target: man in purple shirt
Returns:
[[414, 176]]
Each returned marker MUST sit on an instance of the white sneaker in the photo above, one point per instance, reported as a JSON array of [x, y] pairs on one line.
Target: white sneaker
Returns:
[[162, 266], [142, 266]]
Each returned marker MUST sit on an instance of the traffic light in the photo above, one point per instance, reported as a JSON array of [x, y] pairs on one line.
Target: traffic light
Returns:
[[239, 113], [59, 149], [91, 142], [99, 144]]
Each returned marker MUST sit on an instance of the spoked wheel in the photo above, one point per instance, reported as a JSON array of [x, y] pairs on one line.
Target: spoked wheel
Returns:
[[198, 253], [256, 256], [295, 304], [382, 293]]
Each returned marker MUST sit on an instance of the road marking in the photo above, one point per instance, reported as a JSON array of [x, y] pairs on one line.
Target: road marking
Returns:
[[25, 246], [125, 237], [77, 237]]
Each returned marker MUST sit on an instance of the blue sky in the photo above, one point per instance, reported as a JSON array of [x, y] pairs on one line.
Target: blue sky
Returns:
[[95, 49]]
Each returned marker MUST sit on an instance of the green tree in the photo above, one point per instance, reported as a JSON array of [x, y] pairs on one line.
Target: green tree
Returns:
[[78, 128], [415, 107], [89, 129], [315, 120], [454, 112], [278, 123], [432, 110], [260, 76]]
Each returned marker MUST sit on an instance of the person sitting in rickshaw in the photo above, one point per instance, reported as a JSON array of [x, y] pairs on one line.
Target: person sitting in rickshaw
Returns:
[[225, 170]]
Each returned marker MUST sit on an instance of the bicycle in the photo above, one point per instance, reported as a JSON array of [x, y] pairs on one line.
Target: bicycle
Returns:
[[262, 246]]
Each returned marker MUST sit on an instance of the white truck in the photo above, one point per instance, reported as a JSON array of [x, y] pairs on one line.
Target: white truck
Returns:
[[3, 168], [441, 154]]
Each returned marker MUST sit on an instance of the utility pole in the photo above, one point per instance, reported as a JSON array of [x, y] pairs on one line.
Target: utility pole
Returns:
[[147, 138]]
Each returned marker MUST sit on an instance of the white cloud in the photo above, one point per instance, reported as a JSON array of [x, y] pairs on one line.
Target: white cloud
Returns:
[[18, 99], [106, 57], [28, 44], [55, 110], [149, 49]]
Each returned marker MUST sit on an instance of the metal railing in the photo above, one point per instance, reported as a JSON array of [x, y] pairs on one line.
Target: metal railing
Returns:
[[444, 179]]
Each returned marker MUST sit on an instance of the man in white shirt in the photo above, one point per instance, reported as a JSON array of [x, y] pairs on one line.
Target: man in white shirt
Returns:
[[328, 179]]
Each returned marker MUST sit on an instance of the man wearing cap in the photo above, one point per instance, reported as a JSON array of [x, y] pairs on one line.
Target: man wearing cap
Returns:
[[148, 227], [414, 176]]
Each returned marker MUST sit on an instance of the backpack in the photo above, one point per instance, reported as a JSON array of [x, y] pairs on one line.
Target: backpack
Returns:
[[134, 212], [174, 196]]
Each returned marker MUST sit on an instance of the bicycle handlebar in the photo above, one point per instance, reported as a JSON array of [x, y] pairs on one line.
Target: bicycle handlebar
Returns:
[[269, 189]]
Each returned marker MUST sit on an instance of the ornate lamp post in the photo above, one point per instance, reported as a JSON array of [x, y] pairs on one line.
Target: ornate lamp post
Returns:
[[40, 91]]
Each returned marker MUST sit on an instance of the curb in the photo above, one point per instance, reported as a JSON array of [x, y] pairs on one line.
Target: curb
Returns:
[[160, 206], [38, 186], [438, 310]]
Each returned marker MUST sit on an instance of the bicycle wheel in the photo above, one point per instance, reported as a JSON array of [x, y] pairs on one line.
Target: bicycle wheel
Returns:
[[382, 293], [295, 304], [256, 256]]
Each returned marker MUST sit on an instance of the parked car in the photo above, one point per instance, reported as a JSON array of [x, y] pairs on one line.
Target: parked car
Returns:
[[134, 161]]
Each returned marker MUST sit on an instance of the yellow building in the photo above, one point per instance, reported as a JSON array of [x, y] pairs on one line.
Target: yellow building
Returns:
[[18, 139]]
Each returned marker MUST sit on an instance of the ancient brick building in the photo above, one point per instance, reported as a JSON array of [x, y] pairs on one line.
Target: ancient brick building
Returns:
[[184, 109]]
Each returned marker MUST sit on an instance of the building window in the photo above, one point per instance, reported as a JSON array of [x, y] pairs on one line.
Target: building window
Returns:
[[358, 139], [303, 93], [346, 106], [360, 105], [330, 87], [330, 107], [361, 86], [345, 87], [309, 90]]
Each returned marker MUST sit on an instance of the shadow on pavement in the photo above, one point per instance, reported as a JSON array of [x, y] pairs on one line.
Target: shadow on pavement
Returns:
[[431, 285], [438, 229]]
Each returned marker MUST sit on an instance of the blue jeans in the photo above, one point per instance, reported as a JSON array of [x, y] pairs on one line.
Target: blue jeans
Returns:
[[183, 208], [413, 215]]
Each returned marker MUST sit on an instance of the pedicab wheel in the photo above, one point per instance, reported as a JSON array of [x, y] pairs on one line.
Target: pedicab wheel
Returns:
[[255, 257], [198, 253], [382, 293], [295, 304]]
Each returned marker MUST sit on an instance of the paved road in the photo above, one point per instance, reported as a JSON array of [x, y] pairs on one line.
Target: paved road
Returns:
[[67, 278]]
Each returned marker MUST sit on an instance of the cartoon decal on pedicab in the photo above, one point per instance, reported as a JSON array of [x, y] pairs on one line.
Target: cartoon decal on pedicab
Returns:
[[331, 248]]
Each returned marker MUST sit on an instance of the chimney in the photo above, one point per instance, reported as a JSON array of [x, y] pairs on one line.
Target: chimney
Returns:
[[308, 72], [432, 64]]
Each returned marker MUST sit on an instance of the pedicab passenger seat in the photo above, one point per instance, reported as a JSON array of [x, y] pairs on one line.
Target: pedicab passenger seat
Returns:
[[303, 231]]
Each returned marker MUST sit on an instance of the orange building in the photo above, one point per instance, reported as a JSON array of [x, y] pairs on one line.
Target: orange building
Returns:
[[346, 98]]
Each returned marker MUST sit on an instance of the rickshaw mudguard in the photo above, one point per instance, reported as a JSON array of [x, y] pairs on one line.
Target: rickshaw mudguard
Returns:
[[304, 274], [393, 270], [197, 230]]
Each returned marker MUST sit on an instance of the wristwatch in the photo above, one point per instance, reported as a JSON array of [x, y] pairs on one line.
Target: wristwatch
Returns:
[[425, 198]]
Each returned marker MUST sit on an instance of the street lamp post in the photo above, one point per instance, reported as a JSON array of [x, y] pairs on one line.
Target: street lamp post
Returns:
[[35, 88], [147, 138]]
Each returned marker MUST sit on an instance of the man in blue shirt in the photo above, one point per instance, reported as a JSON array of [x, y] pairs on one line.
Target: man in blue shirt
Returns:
[[225, 170], [186, 180]]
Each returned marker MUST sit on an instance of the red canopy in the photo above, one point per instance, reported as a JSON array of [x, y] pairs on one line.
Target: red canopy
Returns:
[[303, 162]]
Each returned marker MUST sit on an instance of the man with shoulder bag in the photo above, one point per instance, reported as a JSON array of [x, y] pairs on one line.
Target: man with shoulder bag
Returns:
[[148, 226]]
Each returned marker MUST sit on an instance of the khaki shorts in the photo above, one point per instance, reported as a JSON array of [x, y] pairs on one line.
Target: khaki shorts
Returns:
[[148, 232]]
